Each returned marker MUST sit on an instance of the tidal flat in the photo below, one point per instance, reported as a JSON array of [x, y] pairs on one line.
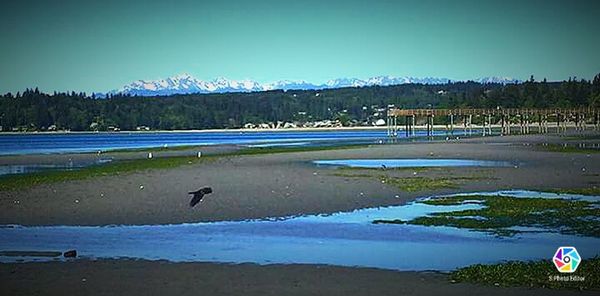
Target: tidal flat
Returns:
[[262, 185]]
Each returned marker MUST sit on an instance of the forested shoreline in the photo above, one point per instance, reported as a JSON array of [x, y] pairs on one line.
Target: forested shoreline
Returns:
[[33, 110]]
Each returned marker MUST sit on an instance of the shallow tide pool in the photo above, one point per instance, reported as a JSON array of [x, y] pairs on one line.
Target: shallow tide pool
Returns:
[[345, 239], [17, 169]]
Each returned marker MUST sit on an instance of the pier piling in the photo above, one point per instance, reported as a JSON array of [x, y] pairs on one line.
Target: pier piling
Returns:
[[564, 117]]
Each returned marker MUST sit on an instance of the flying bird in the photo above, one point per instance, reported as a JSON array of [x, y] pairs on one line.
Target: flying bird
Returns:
[[198, 195]]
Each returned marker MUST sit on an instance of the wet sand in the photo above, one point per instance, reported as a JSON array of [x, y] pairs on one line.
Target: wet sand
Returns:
[[266, 186], [284, 184], [125, 277]]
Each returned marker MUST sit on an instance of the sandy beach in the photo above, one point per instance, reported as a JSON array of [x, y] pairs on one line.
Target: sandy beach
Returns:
[[268, 185], [284, 184], [126, 277]]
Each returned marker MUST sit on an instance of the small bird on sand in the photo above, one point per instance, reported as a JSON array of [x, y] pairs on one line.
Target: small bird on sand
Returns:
[[198, 195]]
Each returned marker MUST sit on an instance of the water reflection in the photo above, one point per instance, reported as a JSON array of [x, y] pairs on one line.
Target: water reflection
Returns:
[[345, 239]]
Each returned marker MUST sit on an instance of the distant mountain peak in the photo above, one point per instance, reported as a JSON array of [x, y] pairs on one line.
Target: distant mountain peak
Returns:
[[498, 79], [185, 83]]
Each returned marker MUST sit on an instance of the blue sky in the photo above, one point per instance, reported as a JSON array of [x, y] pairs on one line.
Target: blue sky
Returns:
[[102, 45]]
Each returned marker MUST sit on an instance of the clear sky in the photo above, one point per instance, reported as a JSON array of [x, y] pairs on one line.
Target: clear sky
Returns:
[[101, 45]]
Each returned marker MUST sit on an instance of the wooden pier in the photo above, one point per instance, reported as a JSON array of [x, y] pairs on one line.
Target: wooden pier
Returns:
[[505, 121]]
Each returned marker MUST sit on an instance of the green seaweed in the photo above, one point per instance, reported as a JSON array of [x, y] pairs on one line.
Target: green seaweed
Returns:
[[529, 274], [415, 184], [500, 213], [12, 182]]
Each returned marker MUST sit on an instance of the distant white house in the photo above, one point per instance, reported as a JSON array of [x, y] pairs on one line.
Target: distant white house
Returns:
[[380, 122]]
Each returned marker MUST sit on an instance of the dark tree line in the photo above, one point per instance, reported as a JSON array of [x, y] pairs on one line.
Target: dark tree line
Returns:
[[33, 110]]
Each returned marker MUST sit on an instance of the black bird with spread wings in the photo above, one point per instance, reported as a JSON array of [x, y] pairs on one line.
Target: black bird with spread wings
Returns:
[[198, 195]]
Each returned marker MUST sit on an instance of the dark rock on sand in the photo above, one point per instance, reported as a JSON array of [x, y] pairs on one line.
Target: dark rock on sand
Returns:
[[70, 254]]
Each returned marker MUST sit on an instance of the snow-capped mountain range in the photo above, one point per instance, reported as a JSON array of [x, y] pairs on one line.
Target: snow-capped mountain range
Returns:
[[187, 84]]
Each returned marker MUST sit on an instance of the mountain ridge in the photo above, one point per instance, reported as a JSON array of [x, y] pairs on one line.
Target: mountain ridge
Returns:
[[187, 84]]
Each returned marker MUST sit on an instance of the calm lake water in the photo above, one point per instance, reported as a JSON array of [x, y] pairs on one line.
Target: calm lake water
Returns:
[[345, 239], [92, 142]]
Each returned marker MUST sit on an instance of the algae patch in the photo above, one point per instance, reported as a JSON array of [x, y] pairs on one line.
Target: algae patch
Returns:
[[529, 274], [504, 215]]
